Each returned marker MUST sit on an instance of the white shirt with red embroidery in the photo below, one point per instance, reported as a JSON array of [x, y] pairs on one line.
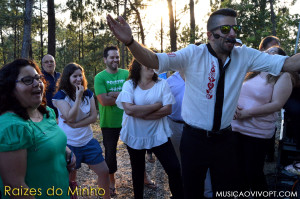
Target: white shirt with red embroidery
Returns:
[[201, 69]]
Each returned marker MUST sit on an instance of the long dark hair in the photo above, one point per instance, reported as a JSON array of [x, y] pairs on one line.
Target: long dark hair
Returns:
[[8, 76], [135, 73], [64, 81]]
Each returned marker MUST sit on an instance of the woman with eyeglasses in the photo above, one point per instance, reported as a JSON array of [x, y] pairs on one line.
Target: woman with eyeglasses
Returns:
[[33, 153], [147, 100], [77, 111], [262, 96]]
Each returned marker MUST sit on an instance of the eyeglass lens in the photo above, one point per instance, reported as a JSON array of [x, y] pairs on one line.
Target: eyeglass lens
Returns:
[[28, 80], [226, 28], [47, 62]]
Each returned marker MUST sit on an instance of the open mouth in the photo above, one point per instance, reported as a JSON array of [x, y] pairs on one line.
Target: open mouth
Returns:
[[38, 92]]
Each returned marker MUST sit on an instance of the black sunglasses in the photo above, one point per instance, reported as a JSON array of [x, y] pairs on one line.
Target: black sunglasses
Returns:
[[225, 29], [28, 80]]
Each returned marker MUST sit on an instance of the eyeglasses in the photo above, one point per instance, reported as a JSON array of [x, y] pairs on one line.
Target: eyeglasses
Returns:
[[47, 62], [225, 29], [28, 80]]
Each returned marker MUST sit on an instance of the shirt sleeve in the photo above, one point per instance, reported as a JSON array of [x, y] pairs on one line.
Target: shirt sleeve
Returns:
[[99, 85], [59, 95], [167, 96], [261, 61], [126, 95], [89, 93], [179, 60], [15, 137]]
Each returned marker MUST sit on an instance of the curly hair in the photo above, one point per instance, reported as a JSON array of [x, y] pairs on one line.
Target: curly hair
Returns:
[[135, 73], [8, 76], [64, 81]]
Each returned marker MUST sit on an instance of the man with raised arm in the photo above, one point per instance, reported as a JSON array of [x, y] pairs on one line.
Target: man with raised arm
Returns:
[[214, 74]]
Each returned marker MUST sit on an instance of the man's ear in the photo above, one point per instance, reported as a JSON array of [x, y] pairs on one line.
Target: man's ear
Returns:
[[104, 59], [209, 35]]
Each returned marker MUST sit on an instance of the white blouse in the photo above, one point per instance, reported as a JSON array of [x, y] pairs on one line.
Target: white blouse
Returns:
[[138, 133]]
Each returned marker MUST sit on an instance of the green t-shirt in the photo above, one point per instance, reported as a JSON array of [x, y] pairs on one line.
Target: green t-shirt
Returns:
[[46, 160], [110, 116]]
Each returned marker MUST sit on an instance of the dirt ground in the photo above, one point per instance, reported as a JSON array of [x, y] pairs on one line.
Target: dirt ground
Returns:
[[87, 178]]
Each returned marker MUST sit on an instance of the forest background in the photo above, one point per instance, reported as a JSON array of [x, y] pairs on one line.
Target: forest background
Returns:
[[33, 28]]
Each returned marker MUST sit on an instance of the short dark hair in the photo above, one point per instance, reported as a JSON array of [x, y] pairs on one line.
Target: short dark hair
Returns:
[[265, 41], [105, 52], [215, 16], [135, 73], [64, 81], [8, 76]]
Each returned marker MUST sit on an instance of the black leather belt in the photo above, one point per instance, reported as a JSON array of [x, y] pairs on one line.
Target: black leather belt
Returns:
[[211, 133]]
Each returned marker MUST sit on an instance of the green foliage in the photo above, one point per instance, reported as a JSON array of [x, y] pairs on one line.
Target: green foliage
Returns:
[[255, 18], [84, 37]]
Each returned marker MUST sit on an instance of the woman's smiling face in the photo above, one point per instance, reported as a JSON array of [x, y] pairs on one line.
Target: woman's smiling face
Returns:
[[29, 96]]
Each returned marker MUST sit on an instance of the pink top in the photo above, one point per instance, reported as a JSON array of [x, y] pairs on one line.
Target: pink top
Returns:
[[256, 92]]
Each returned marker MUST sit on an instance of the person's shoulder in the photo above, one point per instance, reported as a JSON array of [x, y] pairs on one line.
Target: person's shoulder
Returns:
[[10, 116], [102, 73], [161, 81], [60, 95], [89, 93], [57, 74], [10, 119], [123, 71]]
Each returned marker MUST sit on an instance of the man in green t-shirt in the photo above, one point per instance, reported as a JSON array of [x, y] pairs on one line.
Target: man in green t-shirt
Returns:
[[108, 84]]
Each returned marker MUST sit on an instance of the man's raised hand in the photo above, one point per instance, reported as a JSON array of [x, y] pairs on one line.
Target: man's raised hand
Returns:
[[121, 29]]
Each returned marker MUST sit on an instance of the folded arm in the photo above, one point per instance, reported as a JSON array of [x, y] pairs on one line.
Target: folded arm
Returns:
[[69, 113], [88, 120], [13, 166], [108, 99], [160, 113], [281, 92], [140, 111]]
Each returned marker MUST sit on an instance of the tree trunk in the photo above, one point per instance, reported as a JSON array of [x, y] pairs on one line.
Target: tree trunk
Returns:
[[2, 46], [123, 46], [41, 33], [161, 35], [173, 35], [27, 29], [192, 22], [138, 15], [273, 18], [51, 27]]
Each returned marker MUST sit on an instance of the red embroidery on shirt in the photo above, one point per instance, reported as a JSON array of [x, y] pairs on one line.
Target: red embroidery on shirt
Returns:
[[171, 54], [211, 78]]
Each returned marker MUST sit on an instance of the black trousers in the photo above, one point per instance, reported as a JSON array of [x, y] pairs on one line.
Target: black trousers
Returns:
[[200, 152], [110, 141], [165, 153], [252, 153]]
